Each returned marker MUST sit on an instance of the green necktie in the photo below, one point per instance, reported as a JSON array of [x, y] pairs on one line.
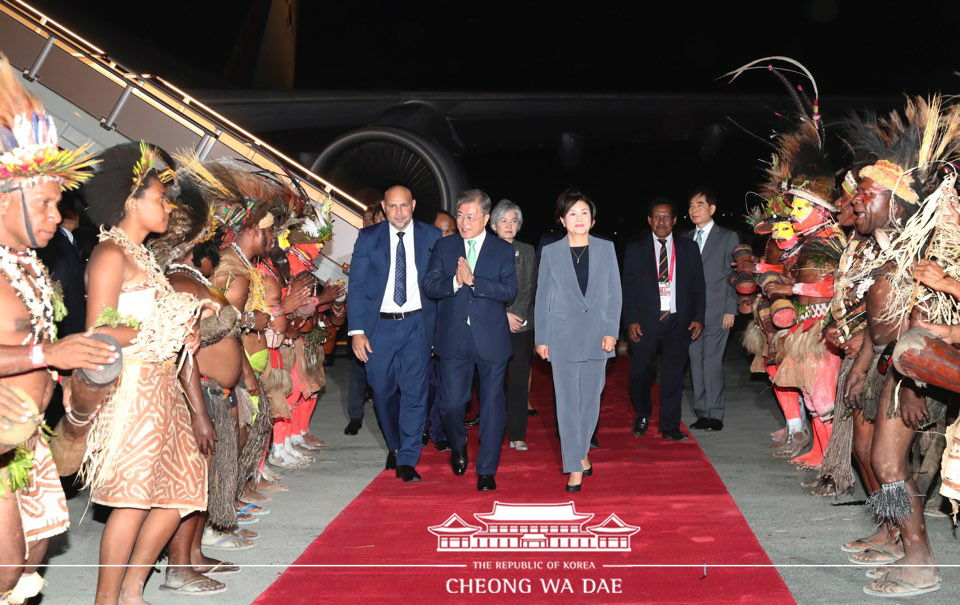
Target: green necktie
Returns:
[[472, 253], [700, 239]]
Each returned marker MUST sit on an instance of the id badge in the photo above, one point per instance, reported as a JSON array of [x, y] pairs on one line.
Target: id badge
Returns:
[[665, 296]]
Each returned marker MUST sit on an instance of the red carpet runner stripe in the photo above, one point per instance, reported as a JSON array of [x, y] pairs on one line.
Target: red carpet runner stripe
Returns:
[[668, 489]]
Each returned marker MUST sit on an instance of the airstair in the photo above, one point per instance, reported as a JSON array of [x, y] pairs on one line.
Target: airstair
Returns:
[[93, 97]]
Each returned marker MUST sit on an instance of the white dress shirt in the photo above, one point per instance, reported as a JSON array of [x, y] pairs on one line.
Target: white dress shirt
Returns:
[[673, 273], [466, 249], [67, 232], [706, 233], [413, 289]]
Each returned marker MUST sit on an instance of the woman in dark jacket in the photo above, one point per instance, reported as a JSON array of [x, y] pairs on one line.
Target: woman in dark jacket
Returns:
[[505, 220]]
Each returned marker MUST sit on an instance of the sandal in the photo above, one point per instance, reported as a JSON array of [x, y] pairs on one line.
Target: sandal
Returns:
[[253, 509], [249, 534], [871, 545], [222, 568], [195, 587], [880, 557], [246, 520], [901, 588]]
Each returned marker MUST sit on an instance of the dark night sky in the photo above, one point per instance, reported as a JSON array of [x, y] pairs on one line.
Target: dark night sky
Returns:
[[861, 48]]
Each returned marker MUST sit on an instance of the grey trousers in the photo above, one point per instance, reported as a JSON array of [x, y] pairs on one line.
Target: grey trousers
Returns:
[[577, 385], [706, 369]]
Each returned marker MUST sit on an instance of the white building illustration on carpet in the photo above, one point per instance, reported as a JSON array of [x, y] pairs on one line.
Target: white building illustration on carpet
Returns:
[[533, 527]]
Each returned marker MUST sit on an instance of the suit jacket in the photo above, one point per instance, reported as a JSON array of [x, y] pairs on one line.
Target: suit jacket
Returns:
[[641, 294], [370, 269], [494, 285], [63, 261], [570, 323], [717, 254], [525, 260]]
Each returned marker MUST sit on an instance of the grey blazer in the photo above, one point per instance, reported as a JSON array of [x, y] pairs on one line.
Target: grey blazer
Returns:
[[525, 259], [717, 254], [570, 324]]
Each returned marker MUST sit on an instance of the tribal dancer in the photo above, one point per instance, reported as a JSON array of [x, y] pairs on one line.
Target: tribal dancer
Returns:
[[805, 361], [248, 235], [145, 449], [188, 257], [33, 172], [898, 201]]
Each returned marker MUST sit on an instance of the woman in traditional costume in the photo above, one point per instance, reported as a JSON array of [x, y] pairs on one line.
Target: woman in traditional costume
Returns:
[[145, 449]]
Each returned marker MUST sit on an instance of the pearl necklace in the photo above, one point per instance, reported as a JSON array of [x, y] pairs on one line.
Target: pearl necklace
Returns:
[[192, 271], [32, 285]]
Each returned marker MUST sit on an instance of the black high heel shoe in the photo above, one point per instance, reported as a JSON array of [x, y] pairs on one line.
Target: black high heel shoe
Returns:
[[588, 472], [574, 488]]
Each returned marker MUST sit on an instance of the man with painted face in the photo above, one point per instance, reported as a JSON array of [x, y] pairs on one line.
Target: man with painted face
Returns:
[[33, 171], [664, 303]]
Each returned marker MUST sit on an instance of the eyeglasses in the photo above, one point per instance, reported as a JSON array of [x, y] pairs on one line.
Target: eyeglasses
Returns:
[[468, 218]]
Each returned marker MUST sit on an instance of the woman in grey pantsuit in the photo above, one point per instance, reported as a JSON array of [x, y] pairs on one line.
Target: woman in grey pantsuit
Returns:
[[577, 319]]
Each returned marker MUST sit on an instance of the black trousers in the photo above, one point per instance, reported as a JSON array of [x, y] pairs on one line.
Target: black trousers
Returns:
[[672, 340], [518, 383]]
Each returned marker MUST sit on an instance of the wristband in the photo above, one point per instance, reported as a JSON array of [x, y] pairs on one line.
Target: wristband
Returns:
[[37, 358]]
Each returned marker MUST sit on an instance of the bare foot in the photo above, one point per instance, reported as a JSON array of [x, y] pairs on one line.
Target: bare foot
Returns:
[[129, 598], [266, 486], [187, 580], [882, 539], [314, 441], [252, 495], [203, 564]]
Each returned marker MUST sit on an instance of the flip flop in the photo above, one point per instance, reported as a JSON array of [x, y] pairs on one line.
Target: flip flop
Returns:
[[908, 590], [250, 510], [249, 534], [875, 573], [228, 542], [222, 568], [890, 558], [851, 549], [249, 521], [193, 587]]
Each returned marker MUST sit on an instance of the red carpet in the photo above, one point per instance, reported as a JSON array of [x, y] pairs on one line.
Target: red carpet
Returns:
[[667, 489]]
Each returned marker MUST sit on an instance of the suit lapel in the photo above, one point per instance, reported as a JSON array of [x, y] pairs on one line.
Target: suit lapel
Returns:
[[419, 251], [593, 270]]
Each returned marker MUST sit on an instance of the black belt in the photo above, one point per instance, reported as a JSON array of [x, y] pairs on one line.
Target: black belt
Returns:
[[399, 315]]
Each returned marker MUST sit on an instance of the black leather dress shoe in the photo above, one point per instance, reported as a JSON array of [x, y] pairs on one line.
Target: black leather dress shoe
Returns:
[[458, 461], [472, 422], [701, 424], [640, 426], [486, 483], [594, 442], [408, 473], [391, 461], [716, 425], [425, 439], [442, 446], [675, 435], [353, 428]]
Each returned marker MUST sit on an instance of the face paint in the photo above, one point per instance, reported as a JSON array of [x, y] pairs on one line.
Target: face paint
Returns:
[[784, 235]]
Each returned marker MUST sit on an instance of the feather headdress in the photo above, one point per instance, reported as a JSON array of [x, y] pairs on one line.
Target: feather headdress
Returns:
[[29, 144]]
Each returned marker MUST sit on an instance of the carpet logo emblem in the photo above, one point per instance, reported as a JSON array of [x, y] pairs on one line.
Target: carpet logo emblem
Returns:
[[533, 527]]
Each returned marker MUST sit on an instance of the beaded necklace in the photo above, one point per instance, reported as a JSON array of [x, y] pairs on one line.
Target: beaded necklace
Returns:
[[32, 285], [192, 271], [141, 256]]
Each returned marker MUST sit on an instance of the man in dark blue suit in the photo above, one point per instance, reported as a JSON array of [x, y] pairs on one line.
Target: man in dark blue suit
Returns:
[[664, 298], [392, 323], [474, 277]]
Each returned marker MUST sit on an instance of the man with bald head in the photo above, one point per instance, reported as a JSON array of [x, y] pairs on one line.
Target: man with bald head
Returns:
[[392, 324]]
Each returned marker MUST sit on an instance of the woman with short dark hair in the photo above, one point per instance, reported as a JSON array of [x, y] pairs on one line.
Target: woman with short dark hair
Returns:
[[577, 322]]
